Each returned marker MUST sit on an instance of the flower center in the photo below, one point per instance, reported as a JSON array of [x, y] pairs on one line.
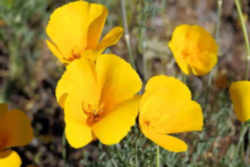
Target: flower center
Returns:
[[94, 114], [93, 119], [147, 123], [191, 56], [73, 56]]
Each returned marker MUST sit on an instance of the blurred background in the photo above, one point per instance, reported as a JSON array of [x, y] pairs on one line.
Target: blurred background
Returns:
[[29, 74]]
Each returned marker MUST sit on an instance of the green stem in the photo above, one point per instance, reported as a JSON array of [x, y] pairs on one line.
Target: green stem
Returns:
[[219, 11], [244, 29], [163, 5], [136, 156], [240, 146], [127, 36], [64, 151], [217, 34], [158, 156]]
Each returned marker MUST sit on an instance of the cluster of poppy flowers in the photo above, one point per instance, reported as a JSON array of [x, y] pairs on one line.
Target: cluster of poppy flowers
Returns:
[[99, 93]]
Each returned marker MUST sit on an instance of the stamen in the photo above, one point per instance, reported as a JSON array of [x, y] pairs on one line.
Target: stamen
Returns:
[[93, 113]]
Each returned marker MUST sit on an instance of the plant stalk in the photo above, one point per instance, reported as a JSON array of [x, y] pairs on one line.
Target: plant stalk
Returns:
[[244, 30], [240, 146], [158, 156], [127, 36], [64, 151]]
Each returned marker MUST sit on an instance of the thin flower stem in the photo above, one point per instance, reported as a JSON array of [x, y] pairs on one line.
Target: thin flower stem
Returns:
[[64, 151], [243, 131], [240, 146], [217, 35], [136, 156], [127, 36], [158, 156], [163, 5], [219, 11], [244, 29]]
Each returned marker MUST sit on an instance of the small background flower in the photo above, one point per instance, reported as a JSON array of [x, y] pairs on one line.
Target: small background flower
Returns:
[[15, 130], [194, 49], [240, 96]]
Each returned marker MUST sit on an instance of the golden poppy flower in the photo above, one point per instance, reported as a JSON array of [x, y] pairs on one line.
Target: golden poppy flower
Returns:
[[166, 108], [98, 99], [240, 96], [15, 130], [194, 49], [75, 29]]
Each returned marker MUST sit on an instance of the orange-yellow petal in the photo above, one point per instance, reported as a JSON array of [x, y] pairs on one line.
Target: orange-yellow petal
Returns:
[[68, 28], [79, 81], [168, 92], [240, 95], [170, 107], [11, 160], [3, 110], [184, 66], [56, 52], [17, 130], [194, 49], [188, 118], [111, 38], [118, 80], [78, 134], [73, 109], [169, 113], [4, 153], [166, 107], [97, 17], [116, 124], [169, 84], [169, 143], [79, 77]]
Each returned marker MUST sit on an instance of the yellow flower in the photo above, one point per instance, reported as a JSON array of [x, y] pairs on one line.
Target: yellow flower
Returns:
[[194, 49], [240, 95], [15, 130], [75, 29], [166, 108], [98, 99]]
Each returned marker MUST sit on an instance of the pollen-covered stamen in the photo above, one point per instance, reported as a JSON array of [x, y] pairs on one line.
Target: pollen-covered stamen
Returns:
[[93, 114], [73, 56], [147, 123]]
